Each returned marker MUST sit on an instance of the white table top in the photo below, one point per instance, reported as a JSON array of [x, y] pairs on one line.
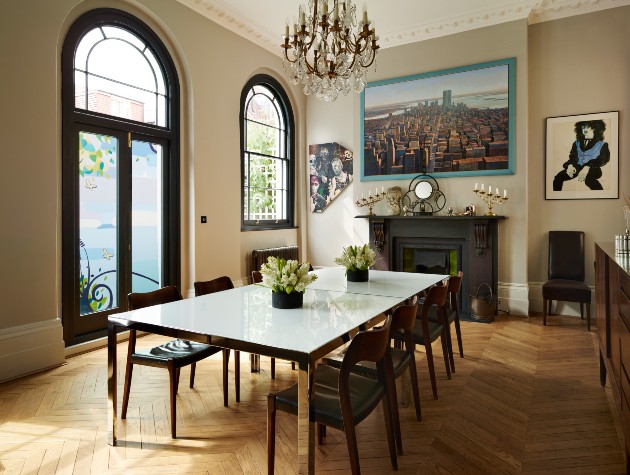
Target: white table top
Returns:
[[385, 283], [245, 314]]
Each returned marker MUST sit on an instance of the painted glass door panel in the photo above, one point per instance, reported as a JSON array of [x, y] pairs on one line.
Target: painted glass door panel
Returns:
[[146, 216], [98, 215]]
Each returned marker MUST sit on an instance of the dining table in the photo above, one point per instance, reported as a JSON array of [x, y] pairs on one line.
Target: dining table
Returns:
[[243, 319]]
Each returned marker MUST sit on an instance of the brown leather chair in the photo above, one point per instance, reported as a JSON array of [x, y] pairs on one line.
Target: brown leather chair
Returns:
[[403, 320], [452, 316], [426, 332], [566, 273], [172, 355], [343, 399], [218, 285]]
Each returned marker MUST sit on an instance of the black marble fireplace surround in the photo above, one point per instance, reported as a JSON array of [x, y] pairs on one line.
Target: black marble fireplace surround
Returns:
[[472, 240]]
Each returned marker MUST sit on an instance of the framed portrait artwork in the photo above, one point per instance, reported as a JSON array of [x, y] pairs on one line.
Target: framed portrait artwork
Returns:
[[330, 169], [582, 157], [454, 122]]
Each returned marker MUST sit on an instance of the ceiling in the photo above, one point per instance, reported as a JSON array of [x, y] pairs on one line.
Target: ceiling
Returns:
[[397, 22]]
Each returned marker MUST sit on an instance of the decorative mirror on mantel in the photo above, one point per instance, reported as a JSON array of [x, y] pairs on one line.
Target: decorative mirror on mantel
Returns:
[[424, 197]]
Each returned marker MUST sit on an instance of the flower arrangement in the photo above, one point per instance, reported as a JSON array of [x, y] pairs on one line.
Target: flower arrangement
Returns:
[[355, 258], [281, 275]]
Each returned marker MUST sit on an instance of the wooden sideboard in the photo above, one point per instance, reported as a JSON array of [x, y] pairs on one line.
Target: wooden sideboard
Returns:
[[612, 303]]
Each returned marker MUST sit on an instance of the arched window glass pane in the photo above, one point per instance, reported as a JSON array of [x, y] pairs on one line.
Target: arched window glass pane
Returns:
[[267, 164], [116, 74]]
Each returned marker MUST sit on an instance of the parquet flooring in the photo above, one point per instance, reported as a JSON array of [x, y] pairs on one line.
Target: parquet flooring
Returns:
[[525, 399]]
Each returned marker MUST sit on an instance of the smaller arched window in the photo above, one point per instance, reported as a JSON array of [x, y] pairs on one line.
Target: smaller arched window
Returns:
[[267, 155]]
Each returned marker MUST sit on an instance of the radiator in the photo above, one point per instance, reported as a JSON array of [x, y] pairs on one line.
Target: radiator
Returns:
[[259, 256]]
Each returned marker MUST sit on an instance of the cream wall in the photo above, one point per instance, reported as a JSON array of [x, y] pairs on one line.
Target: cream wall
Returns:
[[578, 65], [340, 122], [211, 79]]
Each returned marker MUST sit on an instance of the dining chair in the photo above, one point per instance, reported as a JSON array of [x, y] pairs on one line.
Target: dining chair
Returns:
[[425, 332], [452, 316], [342, 399], [566, 273], [209, 287], [172, 355], [403, 319]]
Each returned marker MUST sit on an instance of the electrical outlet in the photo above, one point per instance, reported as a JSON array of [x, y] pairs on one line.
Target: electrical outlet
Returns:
[[204, 219]]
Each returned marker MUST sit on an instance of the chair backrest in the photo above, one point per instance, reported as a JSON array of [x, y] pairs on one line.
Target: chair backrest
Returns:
[[367, 346], [256, 277], [215, 285], [136, 300], [566, 255], [404, 317], [454, 285], [435, 296]]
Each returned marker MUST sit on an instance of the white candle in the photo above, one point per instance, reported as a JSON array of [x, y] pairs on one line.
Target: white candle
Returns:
[[370, 193], [302, 18], [504, 193], [489, 190], [365, 17], [362, 196], [381, 189], [483, 187], [476, 186], [325, 7], [286, 30]]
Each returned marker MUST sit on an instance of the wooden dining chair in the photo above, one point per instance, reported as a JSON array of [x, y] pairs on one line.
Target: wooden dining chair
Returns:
[[426, 332], [209, 287], [403, 319], [452, 316], [172, 355], [342, 399]]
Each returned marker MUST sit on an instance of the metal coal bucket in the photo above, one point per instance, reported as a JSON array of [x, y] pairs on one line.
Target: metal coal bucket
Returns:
[[483, 308]]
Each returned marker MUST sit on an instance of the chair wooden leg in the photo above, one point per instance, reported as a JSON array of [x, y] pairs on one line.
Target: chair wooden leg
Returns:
[[458, 330], [449, 345], [273, 368], [353, 451], [544, 312], [193, 367], [177, 372], [429, 352], [444, 341], [588, 316], [271, 432], [237, 375], [172, 376], [390, 387], [226, 360], [389, 427], [414, 387], [125, 403], [131, 348]]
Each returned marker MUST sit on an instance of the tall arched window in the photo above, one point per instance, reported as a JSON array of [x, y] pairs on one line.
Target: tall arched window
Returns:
[[121, 205], [267, 155]]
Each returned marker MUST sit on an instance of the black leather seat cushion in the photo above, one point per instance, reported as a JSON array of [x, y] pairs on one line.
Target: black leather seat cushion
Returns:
[[566, 291], [183, 351], [400, 361], [435, 329], [365, 394]]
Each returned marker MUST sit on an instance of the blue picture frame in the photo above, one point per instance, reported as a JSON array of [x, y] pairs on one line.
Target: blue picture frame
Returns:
[[450, 123]]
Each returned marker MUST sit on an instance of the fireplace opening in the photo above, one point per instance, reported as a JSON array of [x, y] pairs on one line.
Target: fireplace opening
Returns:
[[430, 261]]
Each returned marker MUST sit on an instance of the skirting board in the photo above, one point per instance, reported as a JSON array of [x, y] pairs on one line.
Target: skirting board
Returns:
[[514, 298], [30, 348], [562, 308]]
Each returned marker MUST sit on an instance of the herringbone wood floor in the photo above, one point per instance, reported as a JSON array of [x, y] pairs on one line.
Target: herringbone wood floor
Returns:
[[525, 399]]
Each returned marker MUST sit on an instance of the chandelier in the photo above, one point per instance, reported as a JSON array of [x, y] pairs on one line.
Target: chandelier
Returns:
[[325, 54]]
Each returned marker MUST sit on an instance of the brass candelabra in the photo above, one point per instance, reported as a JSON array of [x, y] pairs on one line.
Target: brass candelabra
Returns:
[[491, 198], [370, 201]]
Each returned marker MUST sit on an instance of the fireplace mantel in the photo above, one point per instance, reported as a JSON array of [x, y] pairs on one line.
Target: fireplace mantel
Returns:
[[475, 237]]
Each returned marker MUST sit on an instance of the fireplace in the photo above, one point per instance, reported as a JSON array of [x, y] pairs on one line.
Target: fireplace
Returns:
[[439, 245]]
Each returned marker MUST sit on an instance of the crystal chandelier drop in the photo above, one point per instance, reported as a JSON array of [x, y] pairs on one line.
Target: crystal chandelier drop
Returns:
[[325, 54]]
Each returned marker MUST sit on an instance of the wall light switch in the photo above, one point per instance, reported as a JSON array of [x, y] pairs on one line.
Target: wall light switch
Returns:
[[204, 219]]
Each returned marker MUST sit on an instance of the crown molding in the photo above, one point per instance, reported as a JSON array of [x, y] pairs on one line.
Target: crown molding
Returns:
[[535, 11], [547, 10]]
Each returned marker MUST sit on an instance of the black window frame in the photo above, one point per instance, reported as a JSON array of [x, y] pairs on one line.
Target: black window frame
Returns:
[[75, 119], [285, 108]]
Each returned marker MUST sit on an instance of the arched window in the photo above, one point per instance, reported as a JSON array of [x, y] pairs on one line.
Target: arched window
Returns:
[[121, 205], [267, 155]]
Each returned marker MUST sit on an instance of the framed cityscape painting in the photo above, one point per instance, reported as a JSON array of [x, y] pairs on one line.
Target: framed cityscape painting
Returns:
[[454, 122], [582, 157]]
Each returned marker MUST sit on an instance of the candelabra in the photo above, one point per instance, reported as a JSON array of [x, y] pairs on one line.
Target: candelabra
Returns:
[[370, 201], [491, 198]]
